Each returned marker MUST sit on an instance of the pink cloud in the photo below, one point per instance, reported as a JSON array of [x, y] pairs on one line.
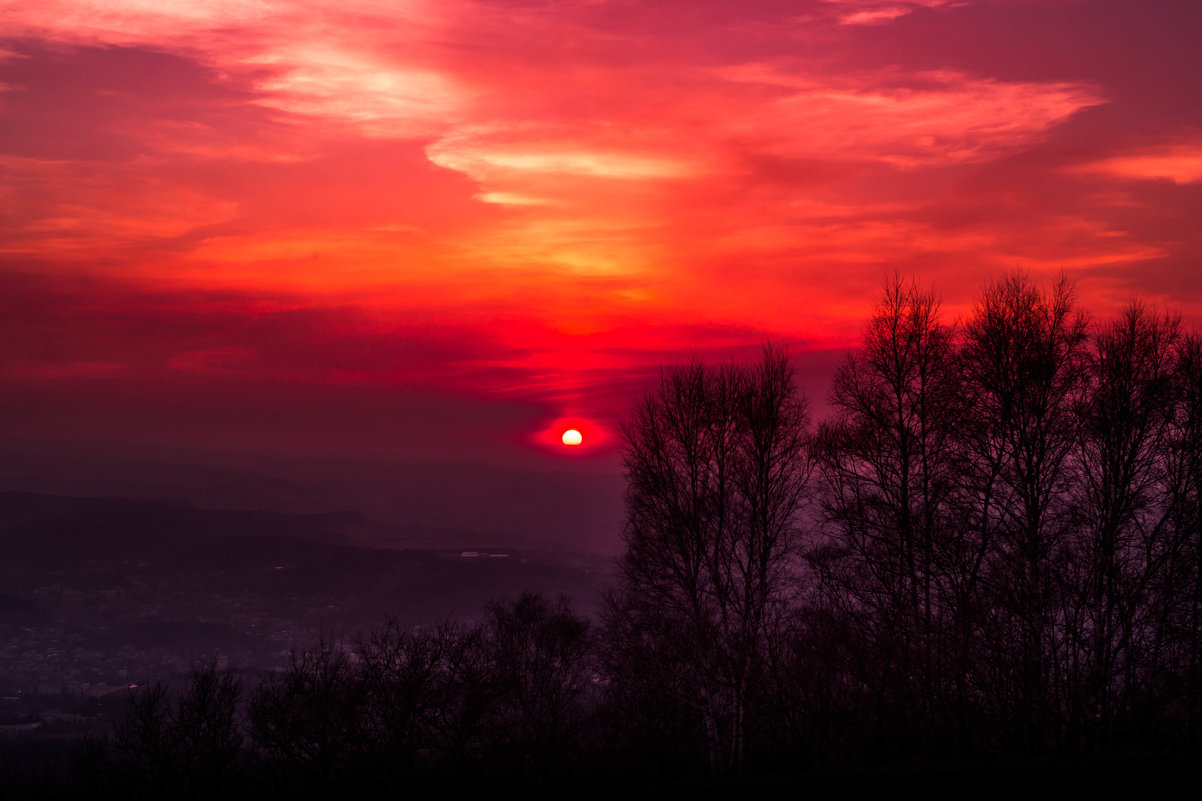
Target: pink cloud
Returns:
[[874, 16], [1181, 164], [872, 12]]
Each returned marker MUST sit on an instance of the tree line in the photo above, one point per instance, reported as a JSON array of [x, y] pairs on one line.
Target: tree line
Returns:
[[991, 546]]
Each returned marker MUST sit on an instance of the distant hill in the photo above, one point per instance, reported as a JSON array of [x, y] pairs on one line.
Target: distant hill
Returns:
[[101, 561], [399, 502]]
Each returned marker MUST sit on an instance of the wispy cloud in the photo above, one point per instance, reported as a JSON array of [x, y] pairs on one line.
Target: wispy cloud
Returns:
[[1181, 164], [873, 12]]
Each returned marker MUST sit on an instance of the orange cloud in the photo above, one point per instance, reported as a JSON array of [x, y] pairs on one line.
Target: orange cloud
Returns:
[[1181, 164]]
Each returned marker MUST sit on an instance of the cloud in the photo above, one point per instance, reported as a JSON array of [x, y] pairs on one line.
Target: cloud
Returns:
[[908, 120], [871, 12], [490, 157], [1181, 164], [306, 57], [538, 201], [874, 16]]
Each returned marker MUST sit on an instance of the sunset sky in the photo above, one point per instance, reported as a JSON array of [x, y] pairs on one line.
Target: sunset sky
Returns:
[[450, 229]]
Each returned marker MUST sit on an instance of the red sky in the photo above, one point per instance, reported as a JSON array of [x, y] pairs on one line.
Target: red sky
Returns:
[[444, 228]]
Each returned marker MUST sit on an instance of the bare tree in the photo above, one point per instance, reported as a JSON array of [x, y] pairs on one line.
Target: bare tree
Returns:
[[144, 740], [1178, 592], [399, 667], [1124, 437], [309, 719], [890, 463], [650, 713], [1024, 362], [189, 749], [541, 654], [464, 699], [717, 471], [208, 737]]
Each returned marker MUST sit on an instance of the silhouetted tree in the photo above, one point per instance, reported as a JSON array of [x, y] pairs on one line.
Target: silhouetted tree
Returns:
[[400, 669], [189, 751], [890, 463], [1179, 586], [717, 469], [648, 717], [1120, 544], [208, 737], [309, 720], [463, 701], [541, 654], [1024, 363], [144, 741]]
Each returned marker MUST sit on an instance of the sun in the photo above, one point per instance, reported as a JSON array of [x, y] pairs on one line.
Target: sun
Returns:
[[572, 437]]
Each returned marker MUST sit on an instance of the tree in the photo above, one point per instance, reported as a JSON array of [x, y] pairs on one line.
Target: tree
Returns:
[[890, 464], [1178, 591], [1125, 466], [207, 735], [190, 749], [717, 471], [310, 719], [541, 657], [143, 740], [400, 668], [649, 715], [1024, 363], [464, 699]]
